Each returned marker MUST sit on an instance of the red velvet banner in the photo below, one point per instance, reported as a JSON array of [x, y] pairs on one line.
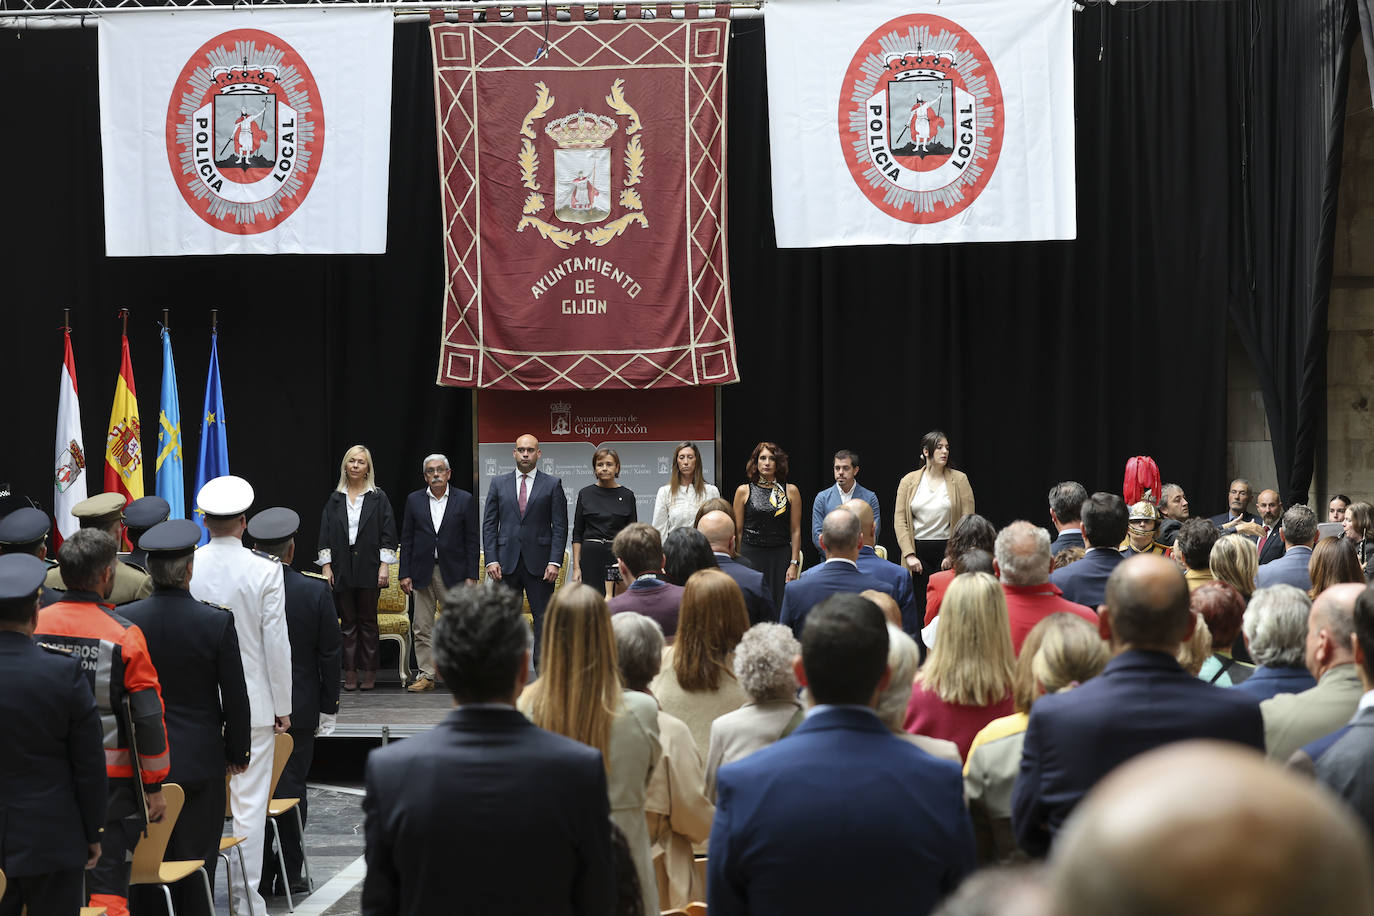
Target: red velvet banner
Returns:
[[583, 175]]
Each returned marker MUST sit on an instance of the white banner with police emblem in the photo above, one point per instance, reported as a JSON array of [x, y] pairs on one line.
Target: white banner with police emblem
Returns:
[[928, 123], [246, 131]]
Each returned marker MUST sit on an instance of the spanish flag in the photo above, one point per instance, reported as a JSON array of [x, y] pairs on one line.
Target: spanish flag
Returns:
[[123, 454]]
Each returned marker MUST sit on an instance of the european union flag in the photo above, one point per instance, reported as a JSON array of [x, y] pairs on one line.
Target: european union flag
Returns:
[[214, 437], [171, 478]]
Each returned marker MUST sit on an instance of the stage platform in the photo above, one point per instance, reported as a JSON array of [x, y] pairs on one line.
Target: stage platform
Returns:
[[389, 712]]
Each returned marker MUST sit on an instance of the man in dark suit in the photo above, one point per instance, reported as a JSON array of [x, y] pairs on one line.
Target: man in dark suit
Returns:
[[52, 799], [898, 580], [1299, 530], [513, 819], [639, 557], [1066, 508], [719, 529], [195, 648], [1141, 700], [1238, 502], [1344, 766], [784, 838], [313, 628], [1271, 516], [438, 551], [841, 535], [1104, 528], [524, 530]]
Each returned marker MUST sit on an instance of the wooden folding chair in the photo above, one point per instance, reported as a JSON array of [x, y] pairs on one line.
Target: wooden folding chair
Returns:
[[227, 843], [150, 865], [276, 807]]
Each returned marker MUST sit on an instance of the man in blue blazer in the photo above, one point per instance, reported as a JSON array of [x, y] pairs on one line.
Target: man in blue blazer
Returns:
[[1299, 531], [1066, 508], [1104, 528], [841, 816], [438, 551], [846, 487], [524, 530], [485, 813], [719, 529], [897, 579], [1141, 700], [841, 537]]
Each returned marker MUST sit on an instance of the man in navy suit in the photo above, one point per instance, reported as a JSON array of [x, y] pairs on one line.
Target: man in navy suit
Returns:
[[485, 806], [52, 799], [897, 579], [719, 529], [846, 487], [438, 550], [1141, 700], [816, 822], [524, 530], [1066, 509], [1104, 528], [1238, 502], [841, 537], [1299, 531]]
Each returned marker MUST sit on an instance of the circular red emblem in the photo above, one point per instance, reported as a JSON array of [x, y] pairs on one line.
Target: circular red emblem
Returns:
[[921, 118], [245, 131]]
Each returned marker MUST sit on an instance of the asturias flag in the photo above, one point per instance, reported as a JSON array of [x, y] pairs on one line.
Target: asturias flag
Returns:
[[123, 454], [214, 438], [171, 483], [69, 477]]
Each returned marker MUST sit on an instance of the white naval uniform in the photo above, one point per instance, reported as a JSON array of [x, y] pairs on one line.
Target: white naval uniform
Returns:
[[250, 585]]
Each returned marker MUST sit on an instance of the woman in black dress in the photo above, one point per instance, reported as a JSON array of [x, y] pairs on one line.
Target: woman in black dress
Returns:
[[768, 512], [357, 547], [602, 510]]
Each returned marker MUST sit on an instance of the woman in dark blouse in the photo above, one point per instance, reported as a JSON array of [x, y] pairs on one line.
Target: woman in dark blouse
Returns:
[[602, 510], [768, 513]]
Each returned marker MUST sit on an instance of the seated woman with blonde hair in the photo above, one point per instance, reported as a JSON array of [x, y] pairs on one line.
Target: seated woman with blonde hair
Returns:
[[578, 695], [697, 683], [966, 682], [1058, 653]]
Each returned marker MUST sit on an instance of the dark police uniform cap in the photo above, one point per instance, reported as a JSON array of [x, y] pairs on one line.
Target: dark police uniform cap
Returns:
[[21, 574], [169, 540], [23, 527], [146, 512], [273, 525]]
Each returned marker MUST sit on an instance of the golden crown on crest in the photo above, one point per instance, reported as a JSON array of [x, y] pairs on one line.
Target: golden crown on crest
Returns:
[[581, 130]]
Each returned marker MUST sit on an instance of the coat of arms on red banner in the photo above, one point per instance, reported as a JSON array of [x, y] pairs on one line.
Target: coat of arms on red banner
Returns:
[[583, 175], [245, 131], [921, 118]]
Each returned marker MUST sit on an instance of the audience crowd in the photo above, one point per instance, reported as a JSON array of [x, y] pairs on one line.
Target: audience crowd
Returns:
[[1126, 709]]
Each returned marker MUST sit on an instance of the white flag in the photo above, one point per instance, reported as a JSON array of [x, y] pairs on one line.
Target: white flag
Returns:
[[920, 122], [69, 477], [246, 131]]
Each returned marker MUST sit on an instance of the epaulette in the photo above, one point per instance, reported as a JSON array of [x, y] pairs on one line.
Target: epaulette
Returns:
[[314, 575], [52, 564], [56, 650], [267, 556], [218, 607]]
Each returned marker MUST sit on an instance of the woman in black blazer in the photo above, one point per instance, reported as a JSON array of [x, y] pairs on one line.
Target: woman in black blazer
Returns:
[[357, 548]]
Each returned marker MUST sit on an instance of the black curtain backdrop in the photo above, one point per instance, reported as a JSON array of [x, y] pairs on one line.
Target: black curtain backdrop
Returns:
[[1297, 60], [1041, 361]]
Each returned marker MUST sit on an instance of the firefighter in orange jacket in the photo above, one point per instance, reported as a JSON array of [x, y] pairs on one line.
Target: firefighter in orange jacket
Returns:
[[115, 658]]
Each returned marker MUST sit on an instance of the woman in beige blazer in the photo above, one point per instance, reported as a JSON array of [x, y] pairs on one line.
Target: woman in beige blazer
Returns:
[[930, 502], [676, 808]]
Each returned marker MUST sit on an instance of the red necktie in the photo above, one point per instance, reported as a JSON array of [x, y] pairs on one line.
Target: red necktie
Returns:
[[1263, 539], [524, 493]]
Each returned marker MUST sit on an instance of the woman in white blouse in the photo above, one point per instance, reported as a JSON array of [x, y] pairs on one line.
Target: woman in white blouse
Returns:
[[357, 547], [678, 500], [930, 502]]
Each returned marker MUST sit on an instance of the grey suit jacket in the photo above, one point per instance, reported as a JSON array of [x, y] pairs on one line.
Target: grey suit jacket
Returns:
[[1344, 767], [1293, 719], [751, 727]]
